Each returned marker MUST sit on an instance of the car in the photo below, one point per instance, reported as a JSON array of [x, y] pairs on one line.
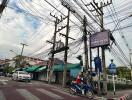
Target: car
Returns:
[[1, 73], [21, 76]]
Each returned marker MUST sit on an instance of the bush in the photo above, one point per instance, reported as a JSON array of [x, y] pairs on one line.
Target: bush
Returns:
[[119, 86]]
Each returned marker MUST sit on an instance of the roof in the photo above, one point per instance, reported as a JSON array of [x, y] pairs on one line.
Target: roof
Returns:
[[3, 62], [42, 63]]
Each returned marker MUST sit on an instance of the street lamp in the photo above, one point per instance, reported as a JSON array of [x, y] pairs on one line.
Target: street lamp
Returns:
[[13, 52], [22, 48], [21, 58]]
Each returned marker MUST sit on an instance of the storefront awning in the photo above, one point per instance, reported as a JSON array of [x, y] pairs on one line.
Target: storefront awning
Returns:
[[58, 68], [73, 66], [40, 69], [69, 67], [31, 69]]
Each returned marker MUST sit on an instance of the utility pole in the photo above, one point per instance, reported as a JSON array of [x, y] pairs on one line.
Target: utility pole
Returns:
[[85, 43], [65, 55], [3, 5], [54, 44], [23, 45], [90, 52], [53, 49], [130, 54], [66, 43], [99, 10]]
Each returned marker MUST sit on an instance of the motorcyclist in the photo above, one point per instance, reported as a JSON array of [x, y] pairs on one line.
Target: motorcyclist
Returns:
[[80, 81]]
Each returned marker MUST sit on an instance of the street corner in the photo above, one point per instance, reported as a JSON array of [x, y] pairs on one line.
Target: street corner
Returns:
[[112, 99], [124, 97]]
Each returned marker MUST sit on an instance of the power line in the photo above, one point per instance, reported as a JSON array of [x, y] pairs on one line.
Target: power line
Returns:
[[121, 33], [116, 55], [123, 54]]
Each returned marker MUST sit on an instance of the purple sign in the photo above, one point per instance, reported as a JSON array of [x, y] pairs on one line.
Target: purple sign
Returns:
[[99, 39]]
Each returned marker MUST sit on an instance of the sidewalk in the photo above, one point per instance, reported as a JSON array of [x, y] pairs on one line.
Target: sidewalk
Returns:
[[120, 95]]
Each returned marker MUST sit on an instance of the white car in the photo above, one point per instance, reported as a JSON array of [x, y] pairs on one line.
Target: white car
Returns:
[[21, 76]]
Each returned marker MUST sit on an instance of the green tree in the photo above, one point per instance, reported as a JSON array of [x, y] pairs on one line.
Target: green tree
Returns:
[[124, 72], [19, 62], [8, 69]]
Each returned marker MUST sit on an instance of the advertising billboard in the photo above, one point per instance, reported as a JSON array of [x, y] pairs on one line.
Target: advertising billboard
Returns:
[[100, 39]]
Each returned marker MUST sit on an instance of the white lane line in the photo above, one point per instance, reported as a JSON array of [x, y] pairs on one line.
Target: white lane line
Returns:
[[27, 95], [50, 94], [65, 93], [3, 82], [2, 97]]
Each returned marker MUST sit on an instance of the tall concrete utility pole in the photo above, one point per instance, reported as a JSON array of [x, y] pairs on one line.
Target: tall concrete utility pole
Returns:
[[99, 10], [53, 48], [23, 45], [65, 55], [85, 43], [103, 54], [66, 43], [3, 5], [54, 44], [130, 54]]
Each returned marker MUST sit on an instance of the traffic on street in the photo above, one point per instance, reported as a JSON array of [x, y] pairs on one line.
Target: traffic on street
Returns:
[[34, 90]]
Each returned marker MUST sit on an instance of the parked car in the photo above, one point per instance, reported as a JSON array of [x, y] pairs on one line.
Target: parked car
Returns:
[[21, 76], [1, 73]]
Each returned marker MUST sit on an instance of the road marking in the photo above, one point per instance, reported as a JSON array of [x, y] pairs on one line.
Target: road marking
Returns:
[[27, 95], [2, 97], [65, 93], [52, 95], [3, 82]]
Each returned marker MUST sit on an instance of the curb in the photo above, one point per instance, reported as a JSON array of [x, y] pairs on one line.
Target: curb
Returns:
[[125, 97]]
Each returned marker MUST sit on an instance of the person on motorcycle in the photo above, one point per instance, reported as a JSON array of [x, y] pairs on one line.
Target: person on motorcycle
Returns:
[[80, 85], [79, 78], [80, 81]]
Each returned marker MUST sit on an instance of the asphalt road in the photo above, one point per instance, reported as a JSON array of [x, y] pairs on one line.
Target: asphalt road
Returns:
[[13, 90]]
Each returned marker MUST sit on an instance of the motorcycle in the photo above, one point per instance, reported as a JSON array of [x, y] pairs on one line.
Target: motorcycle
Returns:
[[82, 90]]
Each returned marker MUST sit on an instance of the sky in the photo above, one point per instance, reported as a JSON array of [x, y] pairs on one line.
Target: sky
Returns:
[[29, 22]]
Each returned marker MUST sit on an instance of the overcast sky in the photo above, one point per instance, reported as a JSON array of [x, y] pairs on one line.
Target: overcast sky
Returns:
[[29, 21]]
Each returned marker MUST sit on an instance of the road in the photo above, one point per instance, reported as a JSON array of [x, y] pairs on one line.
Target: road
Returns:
[[13, 90]]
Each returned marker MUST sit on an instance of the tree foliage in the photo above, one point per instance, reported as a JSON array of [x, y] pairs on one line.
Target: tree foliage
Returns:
[[19, 62], [8, 69], [124, 72]]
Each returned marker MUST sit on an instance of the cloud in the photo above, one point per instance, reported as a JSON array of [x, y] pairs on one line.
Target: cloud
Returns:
[[29, 21], [16, 28]]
